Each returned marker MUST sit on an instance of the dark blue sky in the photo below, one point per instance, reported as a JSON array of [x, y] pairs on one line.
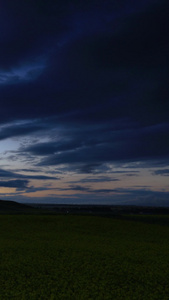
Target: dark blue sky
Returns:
[[84, 100]]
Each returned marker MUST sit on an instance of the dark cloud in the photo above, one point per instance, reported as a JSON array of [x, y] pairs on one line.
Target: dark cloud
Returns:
[[129, 145], [9, 174], [163, 172], [30, 27], [98, 179], [33, 189], [18, 130], [89, 168], [86, 82], [80, 188], [79, 66], [19, 184], [142, 41], [53, 147], [160, 162], [28, 170], [131, 175], [22, 184]]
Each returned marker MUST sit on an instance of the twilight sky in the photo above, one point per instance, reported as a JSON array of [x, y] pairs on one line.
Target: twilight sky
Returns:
[[84, 101]]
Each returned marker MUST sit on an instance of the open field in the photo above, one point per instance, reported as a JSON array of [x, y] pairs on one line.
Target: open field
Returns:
[[84, 257]]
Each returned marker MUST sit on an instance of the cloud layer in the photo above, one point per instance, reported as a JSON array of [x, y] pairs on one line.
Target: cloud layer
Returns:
[[84, 90]]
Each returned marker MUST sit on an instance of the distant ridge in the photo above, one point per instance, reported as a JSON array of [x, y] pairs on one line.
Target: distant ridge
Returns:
[[7, 206], [94, 209], [13, 207]]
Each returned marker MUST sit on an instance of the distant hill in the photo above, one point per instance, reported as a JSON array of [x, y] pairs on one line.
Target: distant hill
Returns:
[[109, 210], [7, 206], [13, 207]]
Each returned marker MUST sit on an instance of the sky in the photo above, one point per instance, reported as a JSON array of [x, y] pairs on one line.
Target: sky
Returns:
[[84, 102]]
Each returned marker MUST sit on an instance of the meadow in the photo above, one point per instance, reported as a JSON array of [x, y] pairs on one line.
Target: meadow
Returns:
[[84, 257]]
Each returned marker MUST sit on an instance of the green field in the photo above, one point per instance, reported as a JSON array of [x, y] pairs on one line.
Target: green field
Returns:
[[84, 257]]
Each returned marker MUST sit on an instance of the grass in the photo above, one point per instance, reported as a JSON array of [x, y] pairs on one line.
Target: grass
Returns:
[[84, 257]]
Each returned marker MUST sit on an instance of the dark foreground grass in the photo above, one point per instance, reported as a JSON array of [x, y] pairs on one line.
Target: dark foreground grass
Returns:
[[83, 257]]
